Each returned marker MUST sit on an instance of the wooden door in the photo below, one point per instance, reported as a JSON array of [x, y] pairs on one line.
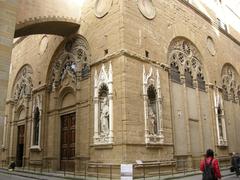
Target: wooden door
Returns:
[[20, 146], [68, 142]]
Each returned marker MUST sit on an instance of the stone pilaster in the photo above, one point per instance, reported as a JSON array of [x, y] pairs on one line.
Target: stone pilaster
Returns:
[[7, 28]]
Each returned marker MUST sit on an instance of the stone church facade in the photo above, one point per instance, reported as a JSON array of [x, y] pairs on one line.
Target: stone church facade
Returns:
[[140, 80]]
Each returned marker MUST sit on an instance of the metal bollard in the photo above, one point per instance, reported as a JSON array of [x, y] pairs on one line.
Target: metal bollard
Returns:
[[159, 170], [85, 173], [64, 168], [48, 166], [184, 167], [110, 171], [97, 171], [143, 172]]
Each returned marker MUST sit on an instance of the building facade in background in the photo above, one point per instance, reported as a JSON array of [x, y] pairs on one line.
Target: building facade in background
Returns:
[[140, 80]]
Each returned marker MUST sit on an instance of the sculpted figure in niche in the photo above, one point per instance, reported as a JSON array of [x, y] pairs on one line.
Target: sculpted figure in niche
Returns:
[[104, 117], [24, 86], [36, 126], [69, 71], [152, 120]]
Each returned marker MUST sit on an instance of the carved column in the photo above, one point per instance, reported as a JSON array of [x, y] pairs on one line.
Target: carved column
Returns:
[[159, 104], [145, 105]]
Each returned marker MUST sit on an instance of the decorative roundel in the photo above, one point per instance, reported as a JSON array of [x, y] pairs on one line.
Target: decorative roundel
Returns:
[[43, 44], [102, 7], [147, 8], [211, 46]]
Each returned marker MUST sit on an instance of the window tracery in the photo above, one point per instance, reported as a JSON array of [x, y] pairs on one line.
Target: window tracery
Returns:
[[175, 73], [188, 78], [201, 82], [185, 61], [230, 79], [23, 84], [152, 107]]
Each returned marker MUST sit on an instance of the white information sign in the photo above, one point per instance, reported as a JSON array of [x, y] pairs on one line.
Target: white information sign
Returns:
[[126, 172]]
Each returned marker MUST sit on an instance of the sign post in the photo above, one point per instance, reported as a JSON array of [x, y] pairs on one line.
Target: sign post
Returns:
[[126, 172]]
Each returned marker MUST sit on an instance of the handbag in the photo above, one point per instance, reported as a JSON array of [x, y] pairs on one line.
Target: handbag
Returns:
[[232, 169]]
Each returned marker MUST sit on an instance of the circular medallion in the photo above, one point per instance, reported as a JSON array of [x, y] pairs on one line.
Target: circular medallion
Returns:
[[147, 8], [43, 44], [211, 46], [102, 7]]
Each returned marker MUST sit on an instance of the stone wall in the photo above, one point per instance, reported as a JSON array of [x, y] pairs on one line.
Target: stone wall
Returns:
[[7, 27], [131, 42]]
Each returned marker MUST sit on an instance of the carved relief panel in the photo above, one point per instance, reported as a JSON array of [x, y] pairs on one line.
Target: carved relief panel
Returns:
[[23, 84], [71, 64]]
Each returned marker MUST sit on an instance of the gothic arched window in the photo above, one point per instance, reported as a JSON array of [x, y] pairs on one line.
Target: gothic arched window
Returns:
[[175, 73], [201, 82], [36, 123], [152, 110], [188, 78]]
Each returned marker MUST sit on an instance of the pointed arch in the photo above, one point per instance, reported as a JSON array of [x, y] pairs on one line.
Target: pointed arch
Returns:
[[184, 55], [230, 82]]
